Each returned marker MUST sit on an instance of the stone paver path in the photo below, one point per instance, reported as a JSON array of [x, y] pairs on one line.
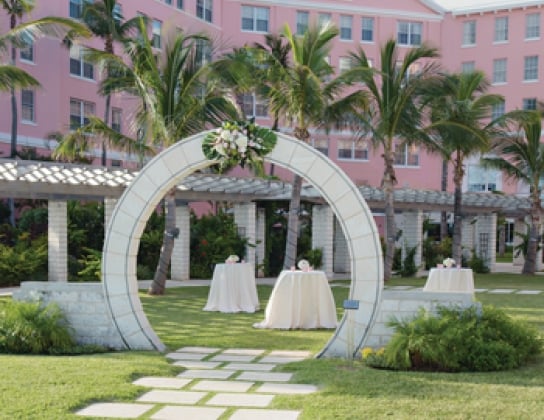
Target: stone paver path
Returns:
[[234, 384]]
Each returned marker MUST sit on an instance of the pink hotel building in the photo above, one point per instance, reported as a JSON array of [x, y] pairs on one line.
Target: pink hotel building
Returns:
[[501, 37]]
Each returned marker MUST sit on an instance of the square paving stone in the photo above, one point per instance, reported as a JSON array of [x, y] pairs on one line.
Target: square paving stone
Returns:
[[172, 397], [222, 386], [207, 374], [186, 356], [117, 410], [265, 376], [480, 290], [264, 414], [529, 292], [193, 413], [290, 353], [232, 358], [280, 360], [240, 400], [159, 382], [192, 349], [279, 388], [501, 291], [263, 367], [196, 364], [247, 352]]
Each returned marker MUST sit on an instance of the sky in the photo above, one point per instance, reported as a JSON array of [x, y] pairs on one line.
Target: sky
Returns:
[[475, 4]]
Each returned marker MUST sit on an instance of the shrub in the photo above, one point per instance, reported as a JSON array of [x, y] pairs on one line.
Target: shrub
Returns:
[[409, 267], [27, 260], [28, 327], [314, 257], [454, 339], [477, 264]]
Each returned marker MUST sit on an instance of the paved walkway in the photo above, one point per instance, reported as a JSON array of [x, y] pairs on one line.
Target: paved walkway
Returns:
[[234, 384]]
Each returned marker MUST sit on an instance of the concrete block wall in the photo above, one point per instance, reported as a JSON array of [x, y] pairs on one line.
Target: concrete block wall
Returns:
[[245, 218], [322, 235], [406, 304], [57, 238], [180, 262], [412, 234], [341, 262], [84, 306]]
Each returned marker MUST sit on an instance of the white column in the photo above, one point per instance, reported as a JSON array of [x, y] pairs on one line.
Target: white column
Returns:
[[261, 240], [109, 205], [468, 240], [181, 254], [487, 239], [520, 226], [412, 234], [245, 218], [539, 264], [341, 252], [323, 235], [57, 240]]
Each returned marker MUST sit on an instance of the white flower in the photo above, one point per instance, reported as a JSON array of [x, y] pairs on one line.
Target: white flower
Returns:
[[232, 259], [448, 262], [303, 265], [226, 135], [241, 142]]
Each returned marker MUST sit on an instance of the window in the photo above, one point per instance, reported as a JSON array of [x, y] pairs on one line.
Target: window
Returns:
[[529, 103], [116, 114], [468, 66], [353, 149], [255, 19], [76, 8], [406, 155], [321, 144], [302, 22], [345, 27], [80, 112], [179, 4], [481, 179], [27, 105], [27, 52], [324, 19], [168, 1], [156, 28], [116, 163], [117, 13], [501, 29], [345, 64], [78, 65], [499, 70], [498, 110], [532, 26], [367, 31], [252, 106], [409, 33], [204, 9], [469, 32], [203, 52], [531, 68]]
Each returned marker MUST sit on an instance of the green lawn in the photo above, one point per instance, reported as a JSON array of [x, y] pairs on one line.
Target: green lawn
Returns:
[[47, 387]]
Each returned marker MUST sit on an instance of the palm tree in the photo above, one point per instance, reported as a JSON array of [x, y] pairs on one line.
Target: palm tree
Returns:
[[520, 155], [104, 19], [393, 114], [306, 95], [178, 99], [460, 108]]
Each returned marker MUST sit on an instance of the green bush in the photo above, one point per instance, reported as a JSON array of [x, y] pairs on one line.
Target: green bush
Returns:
[[409, 267], [435, 252], [25, 261], [314, 257], [28, 327], [472, 339], [477, 264]]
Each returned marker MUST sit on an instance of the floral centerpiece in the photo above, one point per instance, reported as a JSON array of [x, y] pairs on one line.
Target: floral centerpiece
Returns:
[[239, 142], [448, 262], [232, 259], [304, 265]]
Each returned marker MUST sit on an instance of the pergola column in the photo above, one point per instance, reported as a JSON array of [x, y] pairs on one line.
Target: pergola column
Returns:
[[468, 238], [261, 240], [109, 205], [412, 234], [245, 219], [341, 262], [57, 240], [487, 238], [181, 254], [323, 234]]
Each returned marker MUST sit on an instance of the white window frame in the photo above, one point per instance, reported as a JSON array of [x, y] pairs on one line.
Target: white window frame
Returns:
[[179, 4], [529, 103], [500, 66], [204, 10], [501, 29], [75, 9], [345, 64], [257, 16], [346, 27], [77, 57], [324, 19], [468, 66], [85, 109], [156, 34], [203, 52], [532, 26], [406, 155], [116, 119], [469, 33], [253, 106], [480, 179], [356, 150], [498, 110], [317, 144], [530, 68], [303, 20], [412, 31], [28, 107], [27, 53], [367, 29]]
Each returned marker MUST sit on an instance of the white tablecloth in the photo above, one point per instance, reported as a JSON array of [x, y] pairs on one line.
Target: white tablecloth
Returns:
[[450, 280], [300, 300], [233, 289]]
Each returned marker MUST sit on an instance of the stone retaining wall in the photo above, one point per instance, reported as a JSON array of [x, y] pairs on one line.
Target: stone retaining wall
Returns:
[[84, 306]]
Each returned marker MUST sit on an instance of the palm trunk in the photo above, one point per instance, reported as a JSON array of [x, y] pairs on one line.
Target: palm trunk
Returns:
[[444, 214], [529, 266], [388, 184], [170, 233], [106, 121], [292, 224], [14, 121], [502, 240], [457, 210]]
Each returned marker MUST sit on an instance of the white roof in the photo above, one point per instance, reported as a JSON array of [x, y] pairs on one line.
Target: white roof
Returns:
[[468, 6]]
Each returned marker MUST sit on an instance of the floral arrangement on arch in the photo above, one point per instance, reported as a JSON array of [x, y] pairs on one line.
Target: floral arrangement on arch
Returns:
[[239, 142], [448, 262]]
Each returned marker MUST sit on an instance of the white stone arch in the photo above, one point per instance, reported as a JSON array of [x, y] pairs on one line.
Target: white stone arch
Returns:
[[168, 168]]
